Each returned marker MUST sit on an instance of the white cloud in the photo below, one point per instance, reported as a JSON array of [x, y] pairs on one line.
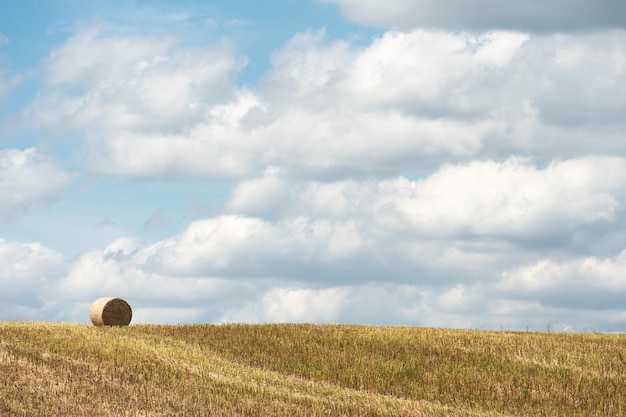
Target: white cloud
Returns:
[[214, 149], [261, 197], [25, 264], [460, 298], [588, 282], [419, 252], [156, 297], [302, 66], [28, 178], [239, 246], [327, 109], [168, 315], [302, 305], [105, 85], [430, 71], [114, 271], [472, 218], [509, 199], [27, 273], [86, 58], [581, 84], [566, 295], [420, 97], [554, 15], [455, 306]]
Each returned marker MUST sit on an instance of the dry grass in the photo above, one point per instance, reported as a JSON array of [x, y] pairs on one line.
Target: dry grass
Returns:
[[305, 370]]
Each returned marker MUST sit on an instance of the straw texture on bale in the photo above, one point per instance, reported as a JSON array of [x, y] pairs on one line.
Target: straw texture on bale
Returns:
[[110, 311]]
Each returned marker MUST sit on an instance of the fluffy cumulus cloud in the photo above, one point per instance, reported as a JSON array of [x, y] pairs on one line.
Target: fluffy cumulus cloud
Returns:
[[511, 199], [414, 98], [435, 251], [408, 101], [28, 273], [155, 297], [102, 84], [466, 168], [591, 289], [553, 15], [588, 282], [28, 178]]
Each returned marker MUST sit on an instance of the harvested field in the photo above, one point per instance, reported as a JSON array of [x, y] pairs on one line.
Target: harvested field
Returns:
[[306, 370]]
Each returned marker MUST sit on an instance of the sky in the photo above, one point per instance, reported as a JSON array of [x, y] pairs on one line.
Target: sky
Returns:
[[388, 162]]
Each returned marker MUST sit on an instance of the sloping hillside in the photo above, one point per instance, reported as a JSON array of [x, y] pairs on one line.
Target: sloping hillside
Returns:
[[305, 370]]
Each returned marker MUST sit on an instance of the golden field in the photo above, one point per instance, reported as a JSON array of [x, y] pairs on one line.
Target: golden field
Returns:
[[49, 369]]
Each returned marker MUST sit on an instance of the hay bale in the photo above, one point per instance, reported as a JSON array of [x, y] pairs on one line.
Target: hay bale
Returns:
[[110, 311]]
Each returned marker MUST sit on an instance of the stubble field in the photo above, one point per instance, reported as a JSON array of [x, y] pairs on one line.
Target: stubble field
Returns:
[[77, 370]]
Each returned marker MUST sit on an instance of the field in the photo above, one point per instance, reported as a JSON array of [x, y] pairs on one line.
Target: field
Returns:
[[306, 370]]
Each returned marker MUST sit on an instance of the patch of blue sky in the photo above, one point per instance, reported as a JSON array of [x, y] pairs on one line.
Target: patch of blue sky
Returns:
[[25, 27], [255, 28], [95, 211], [29, 29]]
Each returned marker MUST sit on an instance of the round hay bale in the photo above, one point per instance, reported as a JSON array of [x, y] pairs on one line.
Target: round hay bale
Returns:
[[110, 311]]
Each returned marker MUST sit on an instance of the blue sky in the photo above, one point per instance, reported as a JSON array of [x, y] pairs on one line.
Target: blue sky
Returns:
[[381, 162]]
